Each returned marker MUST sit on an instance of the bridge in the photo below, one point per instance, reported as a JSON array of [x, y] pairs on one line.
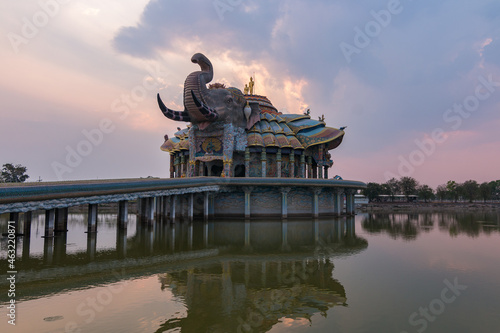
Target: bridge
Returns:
[[175, 198]]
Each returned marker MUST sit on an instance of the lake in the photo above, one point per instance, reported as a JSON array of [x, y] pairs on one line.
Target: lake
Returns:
[[380, 272]]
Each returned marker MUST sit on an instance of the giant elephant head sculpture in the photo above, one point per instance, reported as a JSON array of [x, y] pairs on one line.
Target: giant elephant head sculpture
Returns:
[[203, 106]]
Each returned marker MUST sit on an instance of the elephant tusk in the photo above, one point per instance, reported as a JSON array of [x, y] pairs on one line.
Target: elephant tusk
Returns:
[[171, 114], [209, 113]]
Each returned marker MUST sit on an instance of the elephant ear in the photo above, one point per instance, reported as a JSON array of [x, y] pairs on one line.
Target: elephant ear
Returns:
[[254, 115]]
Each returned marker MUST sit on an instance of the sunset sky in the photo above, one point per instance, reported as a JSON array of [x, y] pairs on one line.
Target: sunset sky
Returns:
[[417, 83]]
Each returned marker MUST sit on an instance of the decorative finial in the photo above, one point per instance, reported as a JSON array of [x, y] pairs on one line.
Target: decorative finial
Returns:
[[308, 112], [343, 128], [322, 118]]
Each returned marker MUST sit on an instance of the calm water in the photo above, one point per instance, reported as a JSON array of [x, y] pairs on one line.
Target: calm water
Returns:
[[373, 273]]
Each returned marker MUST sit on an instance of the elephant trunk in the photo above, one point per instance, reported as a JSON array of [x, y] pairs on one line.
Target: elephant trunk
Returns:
[[196, 85]]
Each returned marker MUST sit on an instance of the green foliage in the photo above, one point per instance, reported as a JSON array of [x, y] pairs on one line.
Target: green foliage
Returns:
[[486, 191], [372, 191], [425, 192], [442, 192], [470, 190], [13, 173], [392, 187], [408, 186]]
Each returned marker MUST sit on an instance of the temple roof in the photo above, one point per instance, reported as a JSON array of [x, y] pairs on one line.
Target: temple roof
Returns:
[[275, 129]]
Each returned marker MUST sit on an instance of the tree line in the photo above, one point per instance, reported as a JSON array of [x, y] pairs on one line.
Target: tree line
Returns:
[[469, 190], [11, 173]]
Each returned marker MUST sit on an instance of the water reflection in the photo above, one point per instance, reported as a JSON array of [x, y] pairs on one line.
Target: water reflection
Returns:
[[409, 226]]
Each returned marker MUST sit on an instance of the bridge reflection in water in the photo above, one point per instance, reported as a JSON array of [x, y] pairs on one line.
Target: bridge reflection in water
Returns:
[[229, 274]]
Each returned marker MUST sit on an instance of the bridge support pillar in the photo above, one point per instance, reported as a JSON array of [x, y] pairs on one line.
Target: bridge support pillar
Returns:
[[190, 207], [50, 217], [349, 200], [27, 224], [91, 246], [337, 202], [206, 205], [122, 214], [61, 222], [92, 218], [316, 192], [48, 250], [284, 202], [173, 208], [165, 203], [248, 197]]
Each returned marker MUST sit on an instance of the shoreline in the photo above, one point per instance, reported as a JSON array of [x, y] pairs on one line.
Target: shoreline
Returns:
[[430, 206]]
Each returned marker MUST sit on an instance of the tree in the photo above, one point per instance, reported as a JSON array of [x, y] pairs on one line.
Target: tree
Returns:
[[13, 173], [392, 187], [441, 192], [470, 190], [486, 191], [408, 186], [495, 188], [372, 191], [452, 188], [425, 192]]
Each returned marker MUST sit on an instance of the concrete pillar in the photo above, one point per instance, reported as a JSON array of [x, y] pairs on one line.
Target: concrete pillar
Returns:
[[302, 166], [263, 159], [14, 217], [92, 218], [316, 192], [165, 203], [177, 167], [350, 202], [337, 202], [151, 209], [248, 191], [50, 218], [211, 206], [122, 214], [206, 199], [158, 206], [173, 208], [326, 172], [284, 201], [190, 207], [61, 221], [183, 162], [278, 164], [292, 164], [310, 167], [27, 224], [247, 162]]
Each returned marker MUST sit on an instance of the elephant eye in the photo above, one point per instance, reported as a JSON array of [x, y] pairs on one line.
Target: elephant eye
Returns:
[[229, 100]]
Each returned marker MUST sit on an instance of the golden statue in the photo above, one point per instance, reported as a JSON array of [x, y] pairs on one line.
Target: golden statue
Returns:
[[250, 85], [245, 90]]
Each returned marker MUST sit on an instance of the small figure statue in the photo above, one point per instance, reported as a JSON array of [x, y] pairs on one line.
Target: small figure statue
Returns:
[[245, 90], [322, 118], [308, 112], [251, 85]]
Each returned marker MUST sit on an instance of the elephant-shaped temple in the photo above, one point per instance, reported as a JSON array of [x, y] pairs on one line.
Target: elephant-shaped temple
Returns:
[[233, 134]]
